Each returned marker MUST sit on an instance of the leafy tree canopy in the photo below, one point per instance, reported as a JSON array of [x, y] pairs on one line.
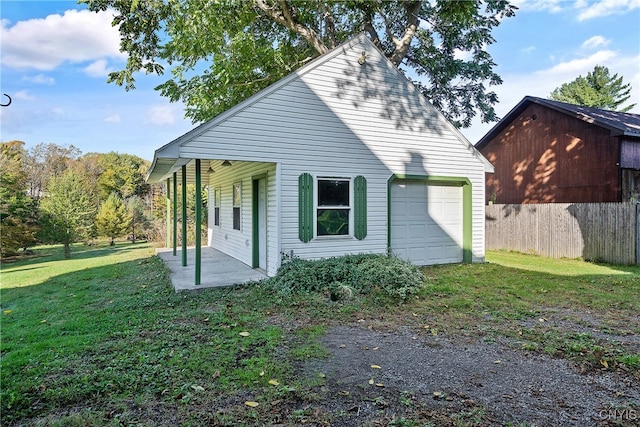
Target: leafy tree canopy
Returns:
[[598, 89], [123, 174], [46, 161], [224, 51], [17, 210]]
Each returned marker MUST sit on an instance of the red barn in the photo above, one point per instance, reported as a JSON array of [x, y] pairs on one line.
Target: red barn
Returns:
[[551, 152]]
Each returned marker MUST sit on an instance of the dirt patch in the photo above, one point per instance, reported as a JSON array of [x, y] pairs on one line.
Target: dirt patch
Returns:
[[380, 375]]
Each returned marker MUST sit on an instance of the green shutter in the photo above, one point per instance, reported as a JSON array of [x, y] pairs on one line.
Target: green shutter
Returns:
[[360, 207], [305, 207]]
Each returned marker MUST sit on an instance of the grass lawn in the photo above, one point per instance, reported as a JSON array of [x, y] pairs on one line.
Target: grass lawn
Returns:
[[102, 338]]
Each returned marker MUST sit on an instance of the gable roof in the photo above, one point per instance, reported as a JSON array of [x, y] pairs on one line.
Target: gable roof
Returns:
[[620, 124], [168, 158]]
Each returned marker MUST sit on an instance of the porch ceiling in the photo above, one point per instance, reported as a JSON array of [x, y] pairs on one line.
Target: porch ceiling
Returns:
[[163, 168]]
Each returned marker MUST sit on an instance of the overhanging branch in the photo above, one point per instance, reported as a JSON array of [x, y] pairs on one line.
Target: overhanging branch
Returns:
[[284, 17]]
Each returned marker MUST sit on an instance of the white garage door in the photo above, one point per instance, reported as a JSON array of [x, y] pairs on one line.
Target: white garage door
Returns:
[[426, 222]]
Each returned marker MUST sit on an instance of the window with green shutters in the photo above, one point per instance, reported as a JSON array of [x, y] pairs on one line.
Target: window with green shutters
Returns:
[[333, 208]]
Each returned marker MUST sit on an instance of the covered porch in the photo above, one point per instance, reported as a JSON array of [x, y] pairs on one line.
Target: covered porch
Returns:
[[199, 264], [217, 269]]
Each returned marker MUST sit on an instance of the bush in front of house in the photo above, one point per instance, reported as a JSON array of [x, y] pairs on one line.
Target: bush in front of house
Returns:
[[342, 277]]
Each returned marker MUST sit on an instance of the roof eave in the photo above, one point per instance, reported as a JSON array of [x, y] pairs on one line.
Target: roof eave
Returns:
[[498, 127]]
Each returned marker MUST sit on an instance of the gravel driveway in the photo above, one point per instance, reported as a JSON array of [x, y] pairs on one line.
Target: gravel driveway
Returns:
[[373, 375]]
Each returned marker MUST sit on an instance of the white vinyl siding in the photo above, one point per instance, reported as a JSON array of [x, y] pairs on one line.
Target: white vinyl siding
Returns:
[[239, 243], [332, 118]]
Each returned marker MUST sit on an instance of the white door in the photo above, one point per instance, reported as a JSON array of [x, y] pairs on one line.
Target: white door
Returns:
[[262, 223], [426, 222]]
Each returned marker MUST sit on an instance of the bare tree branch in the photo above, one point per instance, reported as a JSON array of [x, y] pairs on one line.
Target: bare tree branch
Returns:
[[368, 27], [387, 27], [330, 28], [283, 17]]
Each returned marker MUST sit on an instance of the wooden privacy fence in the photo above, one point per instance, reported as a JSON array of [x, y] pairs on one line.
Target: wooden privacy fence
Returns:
[[607, 232]]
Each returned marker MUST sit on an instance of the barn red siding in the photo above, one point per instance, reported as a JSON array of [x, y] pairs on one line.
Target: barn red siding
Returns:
[[544, 156]]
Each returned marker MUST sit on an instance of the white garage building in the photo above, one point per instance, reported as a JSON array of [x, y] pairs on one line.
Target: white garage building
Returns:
[[342, 156]]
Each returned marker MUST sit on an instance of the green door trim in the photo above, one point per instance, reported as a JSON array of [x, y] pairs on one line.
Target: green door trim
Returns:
[[467, 206], [255, 236]]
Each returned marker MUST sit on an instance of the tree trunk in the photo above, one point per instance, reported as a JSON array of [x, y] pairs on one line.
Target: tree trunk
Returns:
[[402, 44], [67, 250]]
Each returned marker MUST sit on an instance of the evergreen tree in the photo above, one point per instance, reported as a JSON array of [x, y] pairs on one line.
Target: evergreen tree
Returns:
[[139, 226], [113, 219], [598, 89], [68, 210]]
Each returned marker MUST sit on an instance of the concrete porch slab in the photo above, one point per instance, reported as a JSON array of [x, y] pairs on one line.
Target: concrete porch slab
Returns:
[[217, 269]]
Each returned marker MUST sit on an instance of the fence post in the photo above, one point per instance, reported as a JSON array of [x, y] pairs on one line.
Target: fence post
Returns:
[[637, 233]]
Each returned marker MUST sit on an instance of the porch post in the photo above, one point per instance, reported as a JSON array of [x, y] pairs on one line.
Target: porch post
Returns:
[[198, 221], [175, 213], [184, 215], [168, 243]]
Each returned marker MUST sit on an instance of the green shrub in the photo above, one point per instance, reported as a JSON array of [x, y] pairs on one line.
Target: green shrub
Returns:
[[342, 277]]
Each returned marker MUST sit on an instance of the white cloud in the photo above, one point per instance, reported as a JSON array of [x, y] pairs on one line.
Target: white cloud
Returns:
[[40, 79], [528, 50], [590, 10], [115, 118], [23, 95], [551, 6], [98, 69], [463, 55], [58, 112], [586, 9], [576, 66], [44, 44], [595, 42], [161, 115]]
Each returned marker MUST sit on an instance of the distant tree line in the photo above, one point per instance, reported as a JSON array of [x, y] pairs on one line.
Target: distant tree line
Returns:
[[55, 194]]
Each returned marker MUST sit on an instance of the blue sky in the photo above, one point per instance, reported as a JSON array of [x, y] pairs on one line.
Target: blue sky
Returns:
[[55, 58]]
